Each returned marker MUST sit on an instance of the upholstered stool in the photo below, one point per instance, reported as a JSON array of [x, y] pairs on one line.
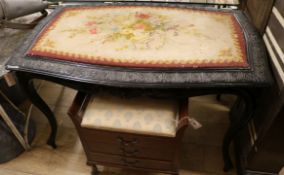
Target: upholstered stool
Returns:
[[136, 133]]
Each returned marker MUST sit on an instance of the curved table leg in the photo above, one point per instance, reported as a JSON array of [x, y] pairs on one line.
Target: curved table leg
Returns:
[[95, 170], [228, 138], [235, 129], [228, 165], [26, 84], [237, 124]]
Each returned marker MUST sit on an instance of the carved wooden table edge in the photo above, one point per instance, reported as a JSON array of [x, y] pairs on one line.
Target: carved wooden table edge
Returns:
[[163, 83]]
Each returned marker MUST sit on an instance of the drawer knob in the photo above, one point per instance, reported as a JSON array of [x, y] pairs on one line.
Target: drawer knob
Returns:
[[129, 152], [125, 142], [129, 162]]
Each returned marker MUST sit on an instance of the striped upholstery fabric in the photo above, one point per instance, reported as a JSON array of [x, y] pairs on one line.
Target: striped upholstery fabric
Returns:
[[274, 40], [138, 115]]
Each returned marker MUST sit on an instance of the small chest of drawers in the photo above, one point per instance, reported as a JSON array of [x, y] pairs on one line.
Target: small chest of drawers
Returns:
[[151, 149]]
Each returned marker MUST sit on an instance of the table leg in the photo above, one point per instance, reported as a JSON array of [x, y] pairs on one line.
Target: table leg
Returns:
[[227, 138], [95, 170], [26, 84], [228, 165], [235, 128], [239, 122]]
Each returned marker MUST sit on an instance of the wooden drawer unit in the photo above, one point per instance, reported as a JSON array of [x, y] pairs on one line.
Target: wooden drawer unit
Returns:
[[127, 139], [135, 151], [156, 165], [126, 149]]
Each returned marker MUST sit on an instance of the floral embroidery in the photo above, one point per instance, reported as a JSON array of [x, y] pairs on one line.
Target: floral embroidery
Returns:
[[140, 30], [139, 26], [144, 36], [91, 23], [142, 15], [93, 31]]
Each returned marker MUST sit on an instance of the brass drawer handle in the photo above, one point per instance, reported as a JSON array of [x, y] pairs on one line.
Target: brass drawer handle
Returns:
[[127, 142], [129, 152], [129, 162]]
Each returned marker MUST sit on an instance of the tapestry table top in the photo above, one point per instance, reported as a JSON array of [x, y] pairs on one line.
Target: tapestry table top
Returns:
[[143, 36]]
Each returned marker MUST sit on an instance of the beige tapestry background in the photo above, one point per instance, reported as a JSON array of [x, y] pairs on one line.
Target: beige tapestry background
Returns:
[[143, 37]]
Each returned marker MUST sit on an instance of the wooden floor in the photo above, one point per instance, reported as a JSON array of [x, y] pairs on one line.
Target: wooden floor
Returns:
[[200, 153]]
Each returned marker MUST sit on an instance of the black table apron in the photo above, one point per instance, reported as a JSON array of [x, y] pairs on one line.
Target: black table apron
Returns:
[[246, 83]]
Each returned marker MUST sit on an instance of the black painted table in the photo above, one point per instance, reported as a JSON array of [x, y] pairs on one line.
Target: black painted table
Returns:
[[246, 83]]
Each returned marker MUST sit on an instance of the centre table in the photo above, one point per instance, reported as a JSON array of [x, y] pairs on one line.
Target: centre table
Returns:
[[164, 50]]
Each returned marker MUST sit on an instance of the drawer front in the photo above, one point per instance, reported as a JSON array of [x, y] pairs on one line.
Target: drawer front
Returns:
[[123, 145], [127, 139], [133, 151], [131, 162]]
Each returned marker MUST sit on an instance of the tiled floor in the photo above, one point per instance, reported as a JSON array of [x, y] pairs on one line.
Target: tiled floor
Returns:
[[200, 153]]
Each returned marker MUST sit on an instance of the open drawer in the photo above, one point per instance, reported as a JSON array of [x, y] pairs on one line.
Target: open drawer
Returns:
[[125, 144]]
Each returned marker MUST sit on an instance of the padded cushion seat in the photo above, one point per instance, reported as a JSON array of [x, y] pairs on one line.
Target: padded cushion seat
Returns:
[[135, 115]]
